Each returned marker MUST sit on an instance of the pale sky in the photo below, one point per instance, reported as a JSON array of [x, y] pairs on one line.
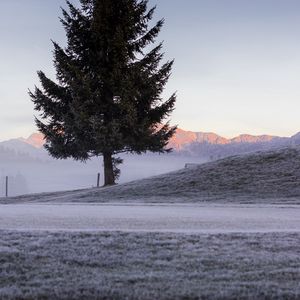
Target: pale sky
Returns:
[[237, 62]]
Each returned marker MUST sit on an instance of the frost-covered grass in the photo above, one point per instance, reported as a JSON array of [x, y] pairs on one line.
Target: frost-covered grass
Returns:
[[149, 266], [266, 175], [270, 177], [164, 217]]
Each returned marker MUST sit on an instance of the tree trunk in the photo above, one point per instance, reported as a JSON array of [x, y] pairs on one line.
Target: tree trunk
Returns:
[[109, 177]]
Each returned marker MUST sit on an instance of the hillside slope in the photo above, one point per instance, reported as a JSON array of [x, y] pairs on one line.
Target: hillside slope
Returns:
[[271, 175]]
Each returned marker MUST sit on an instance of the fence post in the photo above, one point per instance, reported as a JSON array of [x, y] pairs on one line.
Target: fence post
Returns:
[[6, 186], [98, 180]]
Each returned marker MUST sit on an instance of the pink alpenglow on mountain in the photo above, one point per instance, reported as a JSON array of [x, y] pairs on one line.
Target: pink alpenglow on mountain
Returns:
[[36, 140], [183, 138]]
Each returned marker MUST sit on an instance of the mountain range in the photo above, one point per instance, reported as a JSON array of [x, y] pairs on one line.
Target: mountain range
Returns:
[[211, 146], [183, 138], [206, 145]]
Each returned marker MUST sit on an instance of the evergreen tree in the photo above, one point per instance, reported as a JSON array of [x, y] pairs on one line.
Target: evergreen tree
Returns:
[[107, 98]]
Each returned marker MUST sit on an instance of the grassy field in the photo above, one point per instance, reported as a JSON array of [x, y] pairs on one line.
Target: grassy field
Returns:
[[45, 265]]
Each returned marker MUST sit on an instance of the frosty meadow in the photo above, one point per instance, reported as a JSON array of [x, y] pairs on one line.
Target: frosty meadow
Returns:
[[212, 231]]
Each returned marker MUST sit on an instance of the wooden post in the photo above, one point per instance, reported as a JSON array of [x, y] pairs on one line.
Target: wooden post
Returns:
[[6, 186], [98, 180]]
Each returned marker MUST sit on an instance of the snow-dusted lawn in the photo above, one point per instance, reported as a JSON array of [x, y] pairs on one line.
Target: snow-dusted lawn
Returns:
[[161, 217], [115, 265], [149, 251]]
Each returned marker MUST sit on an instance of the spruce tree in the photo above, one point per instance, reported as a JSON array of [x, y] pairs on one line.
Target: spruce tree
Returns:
[[107, 96]]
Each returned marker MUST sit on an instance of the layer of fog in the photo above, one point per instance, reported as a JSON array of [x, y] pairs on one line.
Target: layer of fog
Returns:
[[42, 174]]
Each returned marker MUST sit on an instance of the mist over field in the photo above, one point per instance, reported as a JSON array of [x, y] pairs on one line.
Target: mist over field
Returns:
[[44, 174]]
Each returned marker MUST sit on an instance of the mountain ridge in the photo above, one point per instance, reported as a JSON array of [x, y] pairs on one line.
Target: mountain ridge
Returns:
[[36, 140], [183, 137], [205, 145]]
